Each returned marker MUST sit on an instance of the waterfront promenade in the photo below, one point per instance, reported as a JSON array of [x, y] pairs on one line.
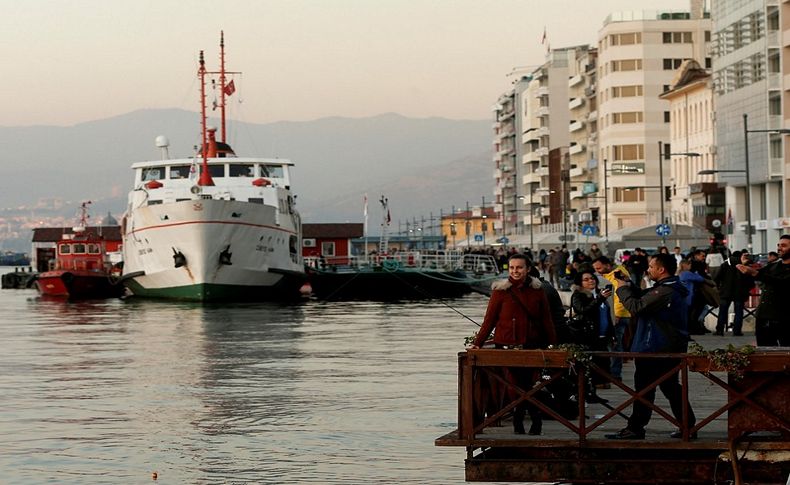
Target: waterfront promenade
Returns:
[[746, 418]]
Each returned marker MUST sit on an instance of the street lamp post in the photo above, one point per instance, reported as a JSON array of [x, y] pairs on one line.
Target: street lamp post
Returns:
[[663, 194], [745, 171], [606, 173]]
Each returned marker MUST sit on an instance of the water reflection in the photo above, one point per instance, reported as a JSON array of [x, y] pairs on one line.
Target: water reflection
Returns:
[[106, 392]]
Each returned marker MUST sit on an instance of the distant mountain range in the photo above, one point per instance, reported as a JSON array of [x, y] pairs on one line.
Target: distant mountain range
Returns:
[[421, 165]]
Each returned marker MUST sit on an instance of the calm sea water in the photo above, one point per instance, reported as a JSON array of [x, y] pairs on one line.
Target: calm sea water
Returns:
[[111, 391]]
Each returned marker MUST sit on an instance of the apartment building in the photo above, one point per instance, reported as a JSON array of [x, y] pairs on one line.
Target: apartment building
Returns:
[[531, 120], [504, 159], [693, 201], [582, 174], [747, 81], [784, 15], [638, 54]]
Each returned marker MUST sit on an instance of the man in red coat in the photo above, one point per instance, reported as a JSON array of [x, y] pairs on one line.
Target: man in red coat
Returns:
[[518, 313]]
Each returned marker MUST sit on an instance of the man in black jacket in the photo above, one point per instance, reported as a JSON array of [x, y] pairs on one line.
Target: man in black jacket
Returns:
[[773, 319], [734, 287]]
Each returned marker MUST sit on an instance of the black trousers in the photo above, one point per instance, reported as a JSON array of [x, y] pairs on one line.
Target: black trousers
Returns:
[[647, 371], [772, 333]]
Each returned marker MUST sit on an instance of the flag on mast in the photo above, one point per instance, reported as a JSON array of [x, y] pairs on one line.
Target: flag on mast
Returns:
[[229, 88], [543, 39]]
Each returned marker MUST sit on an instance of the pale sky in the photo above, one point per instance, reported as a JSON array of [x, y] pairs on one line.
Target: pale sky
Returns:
[[71, 61]]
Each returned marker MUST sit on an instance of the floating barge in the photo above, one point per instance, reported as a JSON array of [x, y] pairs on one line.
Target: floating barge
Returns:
[[743, 425]]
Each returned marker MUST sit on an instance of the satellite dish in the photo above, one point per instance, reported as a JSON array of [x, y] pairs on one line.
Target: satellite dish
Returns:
[[195, 189], [716, 223]]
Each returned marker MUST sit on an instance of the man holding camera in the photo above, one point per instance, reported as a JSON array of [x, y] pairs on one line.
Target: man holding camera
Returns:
[[661, 313]]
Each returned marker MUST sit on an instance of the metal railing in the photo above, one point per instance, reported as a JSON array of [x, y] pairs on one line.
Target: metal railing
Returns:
[[487, 395]]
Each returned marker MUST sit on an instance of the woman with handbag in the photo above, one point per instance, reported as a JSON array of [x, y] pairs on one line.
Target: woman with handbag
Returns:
[[591, 321], [519, 315]]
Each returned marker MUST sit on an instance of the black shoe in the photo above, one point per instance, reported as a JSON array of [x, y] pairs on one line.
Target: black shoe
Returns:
[[518, 427], [536, 428], [626, 434], [678, 434]]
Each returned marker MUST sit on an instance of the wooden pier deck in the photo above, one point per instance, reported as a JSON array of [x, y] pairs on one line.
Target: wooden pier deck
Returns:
[[748, 419]]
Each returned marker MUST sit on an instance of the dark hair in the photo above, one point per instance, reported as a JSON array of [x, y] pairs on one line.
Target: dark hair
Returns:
[[602, 260], [666, 261], [784, 236], [577, 280], [774, 253], [527, 262]]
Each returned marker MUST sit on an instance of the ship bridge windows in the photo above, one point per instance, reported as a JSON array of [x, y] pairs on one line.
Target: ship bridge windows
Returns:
[[93, 249], [217, 170], [241, 170], [153, 173], [64, 249], [180, 171], [274, 171], [78, 248]]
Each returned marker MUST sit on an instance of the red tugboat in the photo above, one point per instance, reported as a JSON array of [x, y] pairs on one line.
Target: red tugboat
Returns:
[[82, 267]]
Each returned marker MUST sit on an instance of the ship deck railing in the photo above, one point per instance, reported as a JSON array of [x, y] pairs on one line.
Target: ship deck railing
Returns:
[[751, 412], [439, 260]]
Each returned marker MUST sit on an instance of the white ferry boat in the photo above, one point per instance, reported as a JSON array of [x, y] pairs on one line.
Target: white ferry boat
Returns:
[[215, 226]]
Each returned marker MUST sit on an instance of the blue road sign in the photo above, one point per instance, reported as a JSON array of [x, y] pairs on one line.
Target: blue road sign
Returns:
[[478, 237], [663, 230], [588, 230]]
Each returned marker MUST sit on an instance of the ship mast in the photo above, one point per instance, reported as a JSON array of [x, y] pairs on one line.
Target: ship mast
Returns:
[[225, 89], [205, 176], [222, 82]]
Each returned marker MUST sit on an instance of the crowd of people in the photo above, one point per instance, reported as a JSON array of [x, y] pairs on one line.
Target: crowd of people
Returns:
[[639, 303]]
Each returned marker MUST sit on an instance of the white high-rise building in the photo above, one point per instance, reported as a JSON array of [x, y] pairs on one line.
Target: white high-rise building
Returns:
[[747, 82], [638, 54]]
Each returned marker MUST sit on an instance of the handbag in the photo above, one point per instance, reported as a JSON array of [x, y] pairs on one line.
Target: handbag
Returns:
[[709, 292]]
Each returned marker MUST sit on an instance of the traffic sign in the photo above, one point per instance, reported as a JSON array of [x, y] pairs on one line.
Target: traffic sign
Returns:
[[478, 237], [663, 230], [588, 230]]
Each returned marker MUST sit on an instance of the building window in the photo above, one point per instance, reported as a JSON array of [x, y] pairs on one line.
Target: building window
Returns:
[[627, 117], [629, 194], [626, 39], [707, 36], [627, 65], [671, 64], [708, 63], [328, 248], [629, 152], [626, 91], [666, 87], [677, 37], [666, 117]]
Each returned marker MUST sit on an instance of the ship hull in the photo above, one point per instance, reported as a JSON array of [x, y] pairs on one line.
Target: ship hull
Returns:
[[205, 250], [78, 285]]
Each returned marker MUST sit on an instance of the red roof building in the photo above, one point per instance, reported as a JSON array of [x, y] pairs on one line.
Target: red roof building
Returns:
[[332, 241]]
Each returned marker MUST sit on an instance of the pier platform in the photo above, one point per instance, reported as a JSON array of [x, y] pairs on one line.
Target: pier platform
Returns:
[[742, 428]]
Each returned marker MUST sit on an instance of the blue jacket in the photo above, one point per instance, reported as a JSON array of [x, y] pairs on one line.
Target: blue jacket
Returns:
[[661, 313]]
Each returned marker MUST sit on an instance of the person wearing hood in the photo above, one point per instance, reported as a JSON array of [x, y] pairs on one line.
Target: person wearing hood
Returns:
[[662, 327], [519, 315]]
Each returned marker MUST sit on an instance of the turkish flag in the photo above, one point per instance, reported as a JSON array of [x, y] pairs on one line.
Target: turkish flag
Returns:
[[230, 88]]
